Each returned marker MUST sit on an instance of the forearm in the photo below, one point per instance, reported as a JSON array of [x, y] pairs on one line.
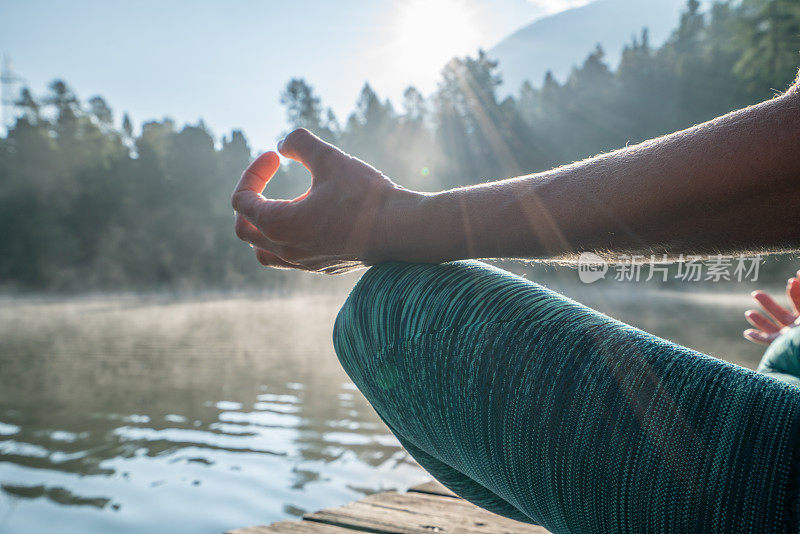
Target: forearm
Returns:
[[728, 185]]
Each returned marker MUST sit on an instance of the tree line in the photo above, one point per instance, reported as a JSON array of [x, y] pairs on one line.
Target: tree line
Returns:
[[86, 203]]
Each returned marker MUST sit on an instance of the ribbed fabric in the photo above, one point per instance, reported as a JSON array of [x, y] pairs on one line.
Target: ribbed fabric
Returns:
[[540, 409]]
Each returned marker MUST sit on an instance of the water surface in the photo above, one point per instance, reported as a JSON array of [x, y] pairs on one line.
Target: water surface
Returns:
[[126, 414], [131, 415]]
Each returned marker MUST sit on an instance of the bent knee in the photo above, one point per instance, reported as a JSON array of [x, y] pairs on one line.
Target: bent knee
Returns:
[[360, 320], [395, 301], [362, 312], [782, 358]]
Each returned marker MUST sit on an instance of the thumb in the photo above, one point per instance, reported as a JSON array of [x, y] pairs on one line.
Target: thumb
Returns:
[[308, 149]]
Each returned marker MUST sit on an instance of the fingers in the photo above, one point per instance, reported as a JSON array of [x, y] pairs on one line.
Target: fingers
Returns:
[[756, 336], [781, 315], [793, 292], [254, 179], [250, 234], [767, 330], [308, 149], [758, 320], [247, 198], [268, 259], [265, 214]]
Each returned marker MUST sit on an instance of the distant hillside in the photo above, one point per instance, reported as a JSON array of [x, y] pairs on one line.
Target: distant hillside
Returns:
[[560, 41]]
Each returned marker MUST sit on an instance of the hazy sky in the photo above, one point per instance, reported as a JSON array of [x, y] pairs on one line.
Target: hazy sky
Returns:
[[227, 61]]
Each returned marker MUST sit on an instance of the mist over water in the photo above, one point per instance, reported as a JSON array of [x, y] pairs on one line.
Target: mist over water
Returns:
[[141, 414], [192, 416]]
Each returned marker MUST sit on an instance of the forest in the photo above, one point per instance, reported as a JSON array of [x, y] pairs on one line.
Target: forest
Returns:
[[88, 204]]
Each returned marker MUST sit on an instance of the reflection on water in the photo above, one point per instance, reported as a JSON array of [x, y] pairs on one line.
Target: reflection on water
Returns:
[[137, 415]]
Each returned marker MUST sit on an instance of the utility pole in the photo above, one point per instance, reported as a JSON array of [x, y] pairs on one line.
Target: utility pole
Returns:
[[8, 92]]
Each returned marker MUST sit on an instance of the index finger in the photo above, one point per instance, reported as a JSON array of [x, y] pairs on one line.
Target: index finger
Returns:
[[247, 195]]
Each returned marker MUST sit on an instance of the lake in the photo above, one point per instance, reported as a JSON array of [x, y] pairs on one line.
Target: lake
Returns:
[[201, 414]]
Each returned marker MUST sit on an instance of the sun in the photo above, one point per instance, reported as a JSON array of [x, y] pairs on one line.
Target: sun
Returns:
[[428, 33]]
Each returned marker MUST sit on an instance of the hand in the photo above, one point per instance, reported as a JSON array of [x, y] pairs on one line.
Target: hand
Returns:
[[347, 218], [780, 319]]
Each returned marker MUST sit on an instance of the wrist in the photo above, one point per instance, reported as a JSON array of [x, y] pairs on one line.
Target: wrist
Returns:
[[394, 234], [413, 227]]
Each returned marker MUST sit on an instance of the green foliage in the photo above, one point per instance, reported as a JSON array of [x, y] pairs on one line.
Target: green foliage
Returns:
[[304, 109], [84, 204], [769, 33]]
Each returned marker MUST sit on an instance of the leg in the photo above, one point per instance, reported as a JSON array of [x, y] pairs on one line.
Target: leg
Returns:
[[782, 358], [538, 408]]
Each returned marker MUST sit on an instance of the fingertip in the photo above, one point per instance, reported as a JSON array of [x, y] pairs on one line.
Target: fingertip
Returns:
[[756, 337], [265, 165]]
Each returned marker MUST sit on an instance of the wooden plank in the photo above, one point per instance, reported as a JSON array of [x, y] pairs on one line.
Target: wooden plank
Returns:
[[433, 487], [293, 527], [419, 513]]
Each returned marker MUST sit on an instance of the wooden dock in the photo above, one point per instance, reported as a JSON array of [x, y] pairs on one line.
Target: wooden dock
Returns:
[[424, 509]]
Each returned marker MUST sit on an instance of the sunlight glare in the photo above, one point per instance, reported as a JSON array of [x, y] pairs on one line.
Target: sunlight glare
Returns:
[[431, 32]]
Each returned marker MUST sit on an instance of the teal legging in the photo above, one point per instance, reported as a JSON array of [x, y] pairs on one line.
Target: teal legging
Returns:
[[540, 409]]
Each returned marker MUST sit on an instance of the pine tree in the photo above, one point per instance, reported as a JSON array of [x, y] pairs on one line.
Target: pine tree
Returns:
[[127, 126], [100, 110], [770, 35], [304, 108]]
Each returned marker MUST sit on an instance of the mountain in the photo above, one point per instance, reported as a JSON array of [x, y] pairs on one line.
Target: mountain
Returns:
[[560, 41]]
